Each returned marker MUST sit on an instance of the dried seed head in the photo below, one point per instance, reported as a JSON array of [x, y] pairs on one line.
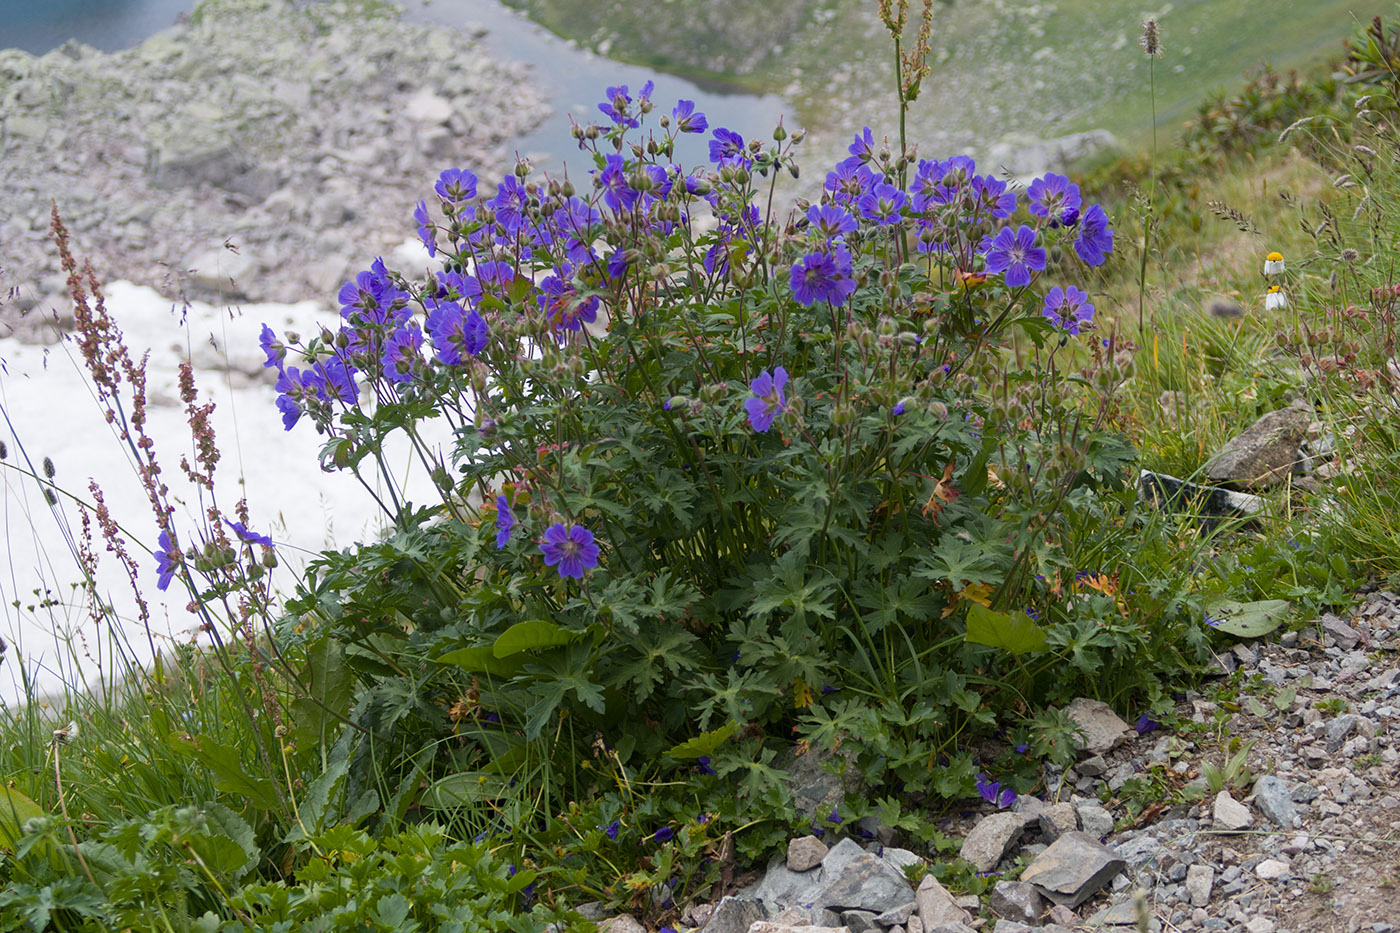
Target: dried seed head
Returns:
[[1151, 40], [1350, 255], [48, 468], [4, 450], [50, 497]]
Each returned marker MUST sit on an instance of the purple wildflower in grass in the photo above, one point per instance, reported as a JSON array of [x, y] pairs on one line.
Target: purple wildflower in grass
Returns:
[[571, 548], [561, 303], [941, 181], [289, 401], [167, 560], [834, 817], [1022, 749], [611, 829], [456, 332], [899, 409], [864, 146], [1213, 623], [705, 762], [687, 120], [332, 379], [1146, 724], [830, 221], [276, 351], [822, 276], [1095, 239], [505, 522], [1015, 254], [509, 204], [427, 232], [402, 353], [495, 272], [246, 536], [1053, 195], [613, 180], [664, 834], [456, 287], [1068, 309], [849, 181], [993, 793], [456, 185], [768, 398], [992, 198], [882, 204], [727, 147], [1068, 218]]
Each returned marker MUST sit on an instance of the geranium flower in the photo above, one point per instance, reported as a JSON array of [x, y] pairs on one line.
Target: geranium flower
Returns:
[[244, 535], [571, 548], [768, 398], [1054, 196], [168, 560], [822, 276], [1015, 254], [687, 120], [505, 522], [1068, 309], [1095, 239]]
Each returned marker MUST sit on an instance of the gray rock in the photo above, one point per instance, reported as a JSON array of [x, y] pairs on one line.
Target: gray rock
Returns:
[[1274, 799], [936, 906], [898, 916], [867, 882], [900, 859], [1016, 900], [780, 885], [1199, 879], [840, 856], [1231, 815], [806, 917], [1099, 725], [735, 915], [1338, 729], [1011, 926], [1265, 454], [1092, 767], [1058, 819], [1211, 503], [860, 921], [623, 923], [1095, 820], [805, 853], [1074, 867], [1339, 633], [766, 927], [819, 781], [991, 839], [949, 928], [1122, 914]]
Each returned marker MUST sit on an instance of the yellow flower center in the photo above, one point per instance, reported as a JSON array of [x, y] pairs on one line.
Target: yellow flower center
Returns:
[[1274, 288], [1274, 257]]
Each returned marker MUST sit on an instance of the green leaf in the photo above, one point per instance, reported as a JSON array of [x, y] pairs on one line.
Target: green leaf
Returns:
[[463, 789], [1010, 631], [15, 810], [704, 744], [1248, 620], [529, 636], [227, 767], [481, 659]]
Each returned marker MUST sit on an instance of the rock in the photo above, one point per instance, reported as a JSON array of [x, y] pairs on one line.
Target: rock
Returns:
[[1199, 879], [1271, 869], [1339, 633], [1095, 820], [1122, 914], [779, 885], [949, 928], [1338, 729], [1092, 767], [901, 859], [766, 927], [623, 923], [809, 917], [1063, 916], [898, 916], [1272, 797], [1016, 900], [816, 790], [1011, 926], [860, 921], [1265, 454], [867, 882], [936, 907], [1058, 819], [735, 915], [806, 853], [1211, 503], [1074, 867], [427, 107], [1260, 925], [1099, 725], [1231, 815], [991, 839]]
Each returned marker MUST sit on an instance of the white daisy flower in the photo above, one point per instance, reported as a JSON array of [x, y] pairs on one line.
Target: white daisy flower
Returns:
[[1273, 264], [1275, 299]]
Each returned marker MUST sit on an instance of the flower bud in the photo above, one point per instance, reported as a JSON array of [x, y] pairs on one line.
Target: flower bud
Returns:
[[591, 131], [842, 415], [779, 134], [798, 136]]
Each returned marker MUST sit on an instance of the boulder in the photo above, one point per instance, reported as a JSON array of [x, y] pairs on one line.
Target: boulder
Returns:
[[1266, 452], [1099, 726], [991, 839], [1073, 869]]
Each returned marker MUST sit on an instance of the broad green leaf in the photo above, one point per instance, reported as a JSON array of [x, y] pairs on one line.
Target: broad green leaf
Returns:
[[481, 659], [227, 767], [1010, 631], [529, 636], [15, 810], [464, 788], [704, 744], [1248, 620]]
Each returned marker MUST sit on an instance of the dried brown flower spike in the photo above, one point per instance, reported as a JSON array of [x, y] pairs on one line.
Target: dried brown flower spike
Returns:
[[1151, 40]]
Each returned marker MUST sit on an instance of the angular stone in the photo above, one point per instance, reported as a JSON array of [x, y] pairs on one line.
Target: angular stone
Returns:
[[1341, 634], [936, 907], [1274, 799], [948, 928], [1100, 726], [901, 859], [1231, 815], [1172, 494], [898, 916], [840, 856], [764, 926], [1122, 914], [623, 923], [805, 853], [1074, 867], [735, 915], [1265, 454], [1095, 820], [1338, 729], [1011, 926], [1058, 819], [807, 917], [1063, 916], [915, 925], [815, 790], [1016, 900], [991, 839], [859, 921], [1199, 879], [780, 885], [866, 883], [1271, 869]]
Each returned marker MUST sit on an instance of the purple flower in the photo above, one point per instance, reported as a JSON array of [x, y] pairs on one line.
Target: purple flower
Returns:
[[332, 379], [276, 351], [705, 761], [849, 181], [505, 522], [570, 547], [167, 560], [993, 198], [246, 536], [664, 834], [727, 147], [899, 409], [830, 221], [822, 276], [561, 303], [1015, 254], [611, 829], [1068, 309], [1146, 724], [618, 106], [456, 185], [768, 398], [864, 146], [1095, 240], [402, 353], [427, 232], [687, 120], [1068, 218], [613, 180], [992, 792], [882, 204], [456, 332], [1022, 749], [941, 182], [834, 817], [509, 204], [1053, 196]]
